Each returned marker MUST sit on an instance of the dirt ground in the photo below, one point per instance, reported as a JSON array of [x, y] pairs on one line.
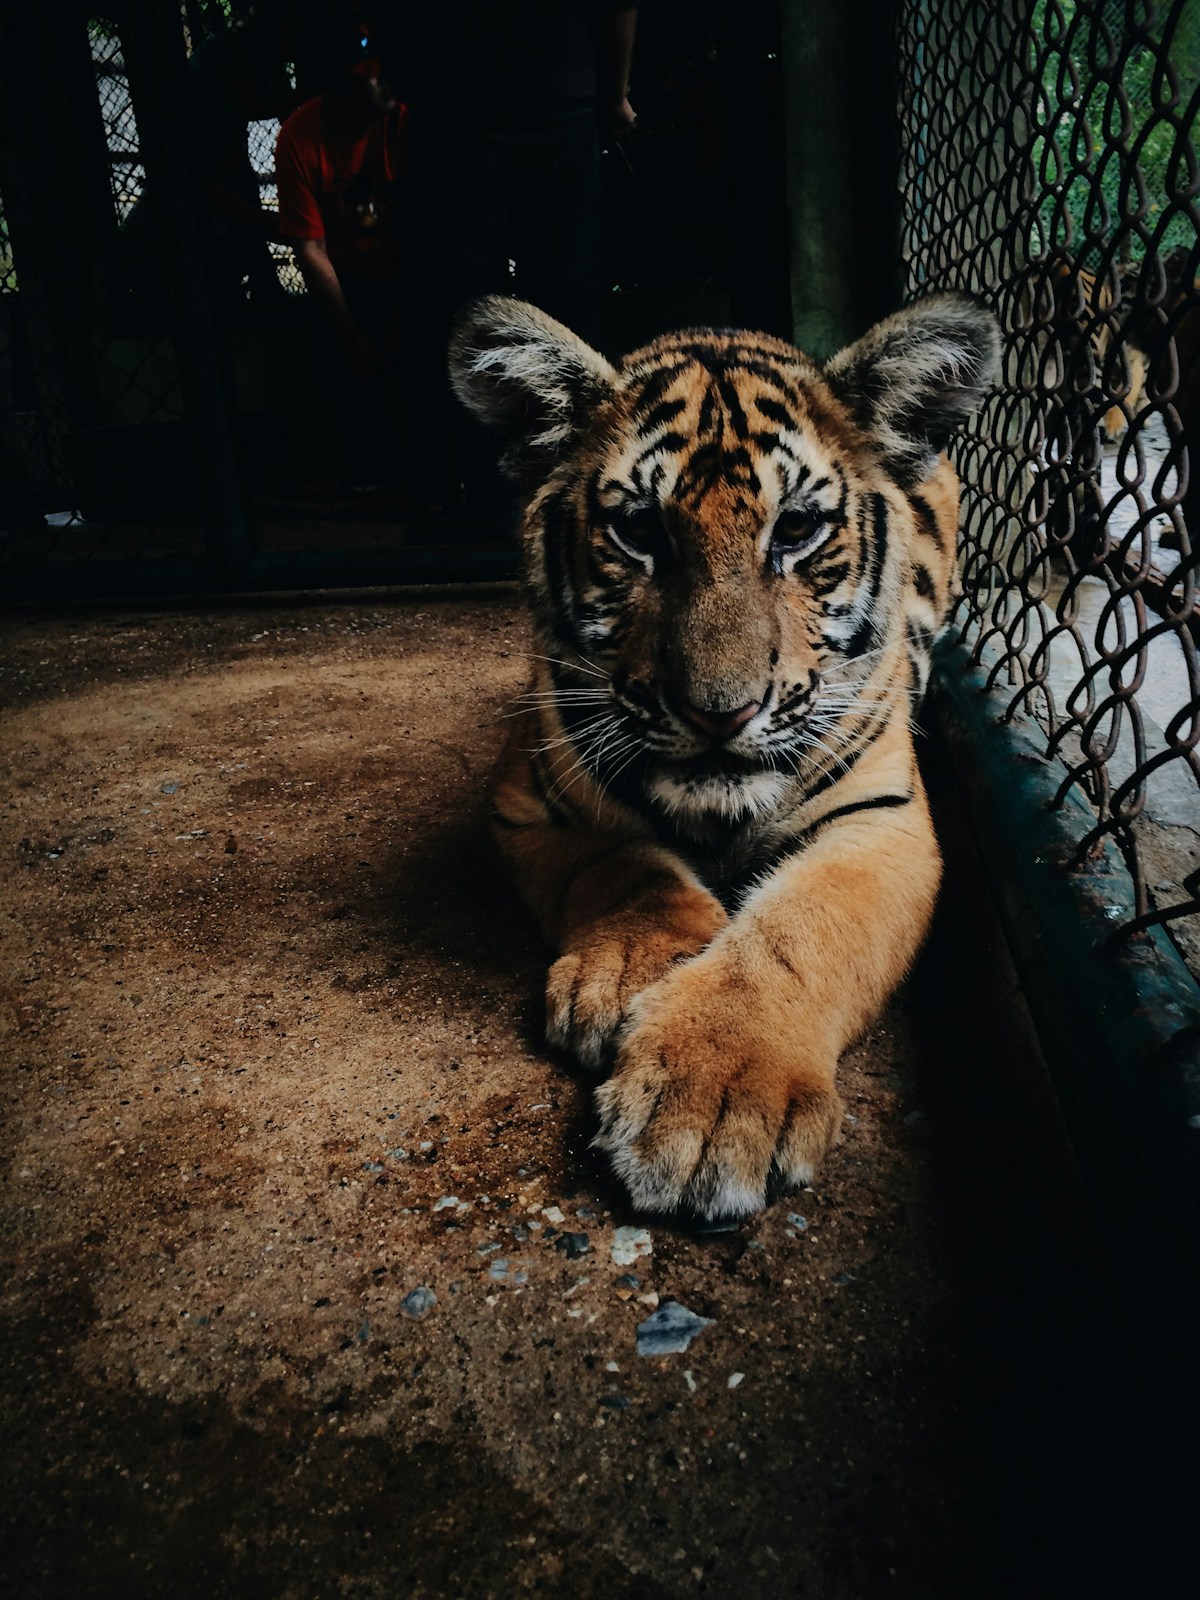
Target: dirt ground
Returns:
[[312, 1284]]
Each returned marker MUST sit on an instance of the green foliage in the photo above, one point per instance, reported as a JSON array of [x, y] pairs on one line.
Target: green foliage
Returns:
[[1119, 84]]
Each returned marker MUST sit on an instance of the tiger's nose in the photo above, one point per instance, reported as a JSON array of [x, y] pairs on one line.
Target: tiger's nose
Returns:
[[719, 725]]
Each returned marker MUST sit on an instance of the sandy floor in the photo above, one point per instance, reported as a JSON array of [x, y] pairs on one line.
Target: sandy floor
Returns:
[[313, 1286]]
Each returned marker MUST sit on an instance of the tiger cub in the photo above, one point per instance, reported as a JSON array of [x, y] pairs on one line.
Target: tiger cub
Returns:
[[737, 561]]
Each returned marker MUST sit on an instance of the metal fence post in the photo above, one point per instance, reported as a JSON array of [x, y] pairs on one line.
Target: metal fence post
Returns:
[[842, 162], [155, 49]]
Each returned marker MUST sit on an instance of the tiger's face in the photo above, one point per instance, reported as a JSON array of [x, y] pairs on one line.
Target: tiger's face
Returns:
[[720, 543], [731, 567]]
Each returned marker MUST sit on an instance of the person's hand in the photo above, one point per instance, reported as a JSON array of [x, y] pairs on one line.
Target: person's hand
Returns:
[[620, 119], [364, 359]]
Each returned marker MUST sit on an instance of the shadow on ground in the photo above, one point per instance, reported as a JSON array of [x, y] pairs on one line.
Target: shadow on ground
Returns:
[[271, 1069]]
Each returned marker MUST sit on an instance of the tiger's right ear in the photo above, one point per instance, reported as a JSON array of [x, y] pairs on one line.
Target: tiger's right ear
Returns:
[[528, 377], [916, 376]]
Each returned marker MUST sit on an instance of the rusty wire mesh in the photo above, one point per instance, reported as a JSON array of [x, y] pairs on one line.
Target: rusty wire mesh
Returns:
[[1049, 165]]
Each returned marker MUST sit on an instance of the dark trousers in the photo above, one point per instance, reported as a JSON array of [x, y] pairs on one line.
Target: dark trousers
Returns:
[[524, 188], [527, 192], [363, 410]]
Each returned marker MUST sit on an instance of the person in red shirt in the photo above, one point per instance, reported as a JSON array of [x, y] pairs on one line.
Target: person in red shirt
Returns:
[[341, 165]]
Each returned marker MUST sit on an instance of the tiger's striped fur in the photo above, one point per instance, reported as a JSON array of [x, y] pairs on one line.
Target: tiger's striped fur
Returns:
[[737, 563]]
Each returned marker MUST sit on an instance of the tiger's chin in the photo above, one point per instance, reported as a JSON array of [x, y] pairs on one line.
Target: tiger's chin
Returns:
[[707, 793]]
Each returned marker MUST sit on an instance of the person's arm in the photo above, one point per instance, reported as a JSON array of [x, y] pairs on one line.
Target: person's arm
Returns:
[[301, 226], [615, 31], [322, 282]]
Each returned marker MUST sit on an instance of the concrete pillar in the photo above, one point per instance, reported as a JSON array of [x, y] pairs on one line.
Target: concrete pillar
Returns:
[[842, 163]]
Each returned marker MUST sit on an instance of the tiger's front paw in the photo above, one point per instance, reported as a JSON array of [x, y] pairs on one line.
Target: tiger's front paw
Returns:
[[589, 990], [705, 1108]]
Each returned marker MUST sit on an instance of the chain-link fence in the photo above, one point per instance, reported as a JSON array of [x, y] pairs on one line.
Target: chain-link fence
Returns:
[[100, 457], [1049, 165], [164, 423], [178, 417]]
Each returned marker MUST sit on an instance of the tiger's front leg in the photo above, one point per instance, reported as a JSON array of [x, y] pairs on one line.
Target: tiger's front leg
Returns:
[[628, 918], [621, 910], [725, 1068]]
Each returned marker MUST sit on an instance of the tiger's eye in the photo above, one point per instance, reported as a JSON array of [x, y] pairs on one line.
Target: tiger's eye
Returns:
[[638, 531], [797, 534], [795, 528]]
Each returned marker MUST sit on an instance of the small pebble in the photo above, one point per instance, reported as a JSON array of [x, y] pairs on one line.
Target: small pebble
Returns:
[[630, 1243], [690, 1381], [553, 1214], [418, 1302], [669, 1330], [573, 1245], [487, 1248], [734, 1379], [797, 1221], [615, 1402], [503, 1271]]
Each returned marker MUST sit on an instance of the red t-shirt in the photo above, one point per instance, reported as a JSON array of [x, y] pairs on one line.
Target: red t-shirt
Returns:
[[347, 192]]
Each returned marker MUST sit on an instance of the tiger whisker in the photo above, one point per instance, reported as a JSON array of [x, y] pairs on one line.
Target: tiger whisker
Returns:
[[577, 737], [576, 690], [523, 709], [581, 665], [853, 661], [549, 702]]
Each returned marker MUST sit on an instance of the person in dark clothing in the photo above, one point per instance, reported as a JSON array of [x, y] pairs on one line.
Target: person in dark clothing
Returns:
[[507, 125], [510, 105], [341, 164]]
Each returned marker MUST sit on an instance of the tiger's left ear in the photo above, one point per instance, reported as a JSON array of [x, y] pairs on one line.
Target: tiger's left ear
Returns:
[[916, 376], [528, 377]]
